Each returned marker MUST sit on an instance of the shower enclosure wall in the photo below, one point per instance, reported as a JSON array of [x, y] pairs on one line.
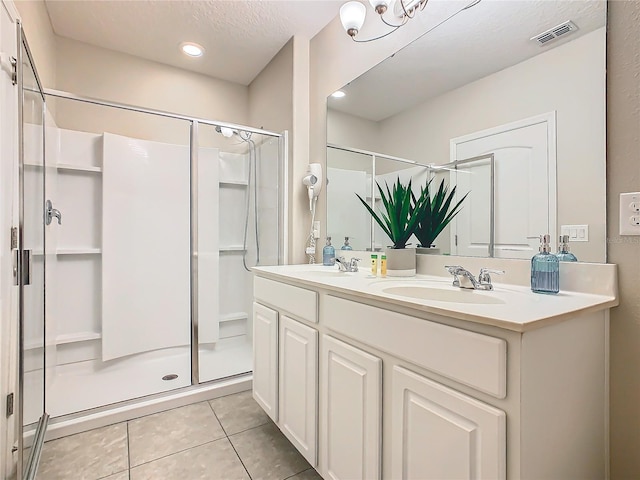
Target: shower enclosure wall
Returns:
[[148, 288]]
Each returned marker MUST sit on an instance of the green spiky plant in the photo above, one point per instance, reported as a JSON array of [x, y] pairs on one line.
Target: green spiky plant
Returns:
[[401, 213], [435, 212]]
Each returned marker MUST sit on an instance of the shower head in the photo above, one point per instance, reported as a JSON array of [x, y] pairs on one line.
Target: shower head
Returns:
[[225, 131]]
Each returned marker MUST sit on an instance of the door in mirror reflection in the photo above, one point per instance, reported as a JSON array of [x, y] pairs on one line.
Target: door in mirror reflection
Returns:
[[523, 189]]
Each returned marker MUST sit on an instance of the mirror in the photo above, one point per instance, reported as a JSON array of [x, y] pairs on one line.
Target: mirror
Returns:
[[522, 80]]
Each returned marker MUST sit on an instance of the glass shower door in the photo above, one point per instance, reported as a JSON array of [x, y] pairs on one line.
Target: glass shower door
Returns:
[[238, 227], [33, 255]]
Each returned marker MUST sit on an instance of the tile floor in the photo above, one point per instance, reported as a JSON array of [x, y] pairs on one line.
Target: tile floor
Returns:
[[224, 439]]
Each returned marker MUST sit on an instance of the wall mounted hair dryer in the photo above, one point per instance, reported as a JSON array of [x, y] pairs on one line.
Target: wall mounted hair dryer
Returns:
[[313, 181]]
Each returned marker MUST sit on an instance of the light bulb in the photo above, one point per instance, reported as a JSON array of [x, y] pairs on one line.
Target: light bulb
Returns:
[[352, 17], [192, 49], [380, 6], [338, 94]]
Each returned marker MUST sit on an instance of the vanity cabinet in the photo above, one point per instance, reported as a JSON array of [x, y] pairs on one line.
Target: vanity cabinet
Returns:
[[351, 387], [369, 389], [285, 361]]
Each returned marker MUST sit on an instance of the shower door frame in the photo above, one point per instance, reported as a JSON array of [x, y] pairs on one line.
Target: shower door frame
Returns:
[[22, 262], [194, 145]]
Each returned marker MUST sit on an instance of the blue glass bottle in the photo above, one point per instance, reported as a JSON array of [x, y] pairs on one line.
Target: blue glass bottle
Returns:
[[346, 245], [328, 254], [545, 269], [564, 255]]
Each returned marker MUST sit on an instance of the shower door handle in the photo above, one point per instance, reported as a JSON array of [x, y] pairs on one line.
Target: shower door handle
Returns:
[[26, 267], [22, 267], [51, 212]]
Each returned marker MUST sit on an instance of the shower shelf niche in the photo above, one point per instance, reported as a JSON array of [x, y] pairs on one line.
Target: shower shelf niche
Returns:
[[233, 183], [68, 166], [232, 248], [228, 317], [72, 251], [77, 337]]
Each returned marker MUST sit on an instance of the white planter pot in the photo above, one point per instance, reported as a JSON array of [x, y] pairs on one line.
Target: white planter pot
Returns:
[[427, 251], [401, 262]]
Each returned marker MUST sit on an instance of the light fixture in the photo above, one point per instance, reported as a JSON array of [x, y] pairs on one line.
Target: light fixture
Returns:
[[192, 49], [352, 14], [338, 94]]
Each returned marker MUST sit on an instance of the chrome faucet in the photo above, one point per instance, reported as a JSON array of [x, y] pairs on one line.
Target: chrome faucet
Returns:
[[463, 278], [345, 266]]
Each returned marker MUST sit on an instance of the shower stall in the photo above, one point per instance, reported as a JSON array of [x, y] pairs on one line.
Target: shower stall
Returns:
[[139, 231]]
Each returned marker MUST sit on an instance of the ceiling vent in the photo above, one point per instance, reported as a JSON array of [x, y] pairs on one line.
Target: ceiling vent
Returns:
[[555, 33]]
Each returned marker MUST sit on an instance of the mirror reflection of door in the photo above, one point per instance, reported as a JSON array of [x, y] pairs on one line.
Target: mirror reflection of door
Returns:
[[524, 188], [471, 228]]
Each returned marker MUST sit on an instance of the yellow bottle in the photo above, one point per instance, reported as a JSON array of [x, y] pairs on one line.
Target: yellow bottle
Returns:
[[383, 266], [374, 264]]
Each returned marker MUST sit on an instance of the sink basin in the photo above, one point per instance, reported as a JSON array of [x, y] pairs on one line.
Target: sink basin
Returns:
[[441, 295]]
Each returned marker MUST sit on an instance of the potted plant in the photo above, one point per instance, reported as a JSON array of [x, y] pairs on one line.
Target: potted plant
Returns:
[[436, 213], [399, 219]]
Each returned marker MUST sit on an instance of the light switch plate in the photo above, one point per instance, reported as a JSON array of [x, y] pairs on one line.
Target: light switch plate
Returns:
[[629, 213], [577, 233]]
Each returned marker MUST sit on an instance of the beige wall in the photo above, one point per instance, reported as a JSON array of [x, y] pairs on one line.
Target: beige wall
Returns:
[[623, 175], [83, 69], [100, 73], [41, 38], [270, 93], [353, 132], [271, 98]]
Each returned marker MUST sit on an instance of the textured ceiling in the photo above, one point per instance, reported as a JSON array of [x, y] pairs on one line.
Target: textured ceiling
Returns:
[[489, 37], [240, 37]]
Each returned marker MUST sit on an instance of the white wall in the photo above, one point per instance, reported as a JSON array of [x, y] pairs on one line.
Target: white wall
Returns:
[[569, 79]]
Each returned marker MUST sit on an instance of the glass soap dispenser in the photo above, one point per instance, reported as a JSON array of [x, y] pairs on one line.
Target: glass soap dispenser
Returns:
[[346, 245], [328, 254], [545, 269], [564, 255]]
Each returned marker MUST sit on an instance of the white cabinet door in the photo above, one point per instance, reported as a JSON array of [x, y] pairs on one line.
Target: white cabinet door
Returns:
[[265, 359], [352, 397], [299, 386], [440, 434]]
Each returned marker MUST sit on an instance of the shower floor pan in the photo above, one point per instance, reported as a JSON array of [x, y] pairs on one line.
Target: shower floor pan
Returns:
[[86, 385]]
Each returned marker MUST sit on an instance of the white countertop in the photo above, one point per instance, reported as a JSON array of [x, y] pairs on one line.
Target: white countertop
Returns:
[[512, 307]]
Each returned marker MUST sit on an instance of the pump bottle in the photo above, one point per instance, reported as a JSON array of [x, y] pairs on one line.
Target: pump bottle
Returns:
[[545, 269]]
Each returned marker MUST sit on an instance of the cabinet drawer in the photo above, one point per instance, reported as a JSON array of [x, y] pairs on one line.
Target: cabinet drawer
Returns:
[[473, 359], [298, 301]]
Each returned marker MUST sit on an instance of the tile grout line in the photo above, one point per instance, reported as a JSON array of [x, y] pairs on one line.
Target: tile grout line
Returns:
[[230, 442], [128, 453], [305, 470], [179, 451]]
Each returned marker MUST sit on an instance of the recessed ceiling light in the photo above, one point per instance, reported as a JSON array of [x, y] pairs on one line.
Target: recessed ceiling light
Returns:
[[192, 49], [338, 94]]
